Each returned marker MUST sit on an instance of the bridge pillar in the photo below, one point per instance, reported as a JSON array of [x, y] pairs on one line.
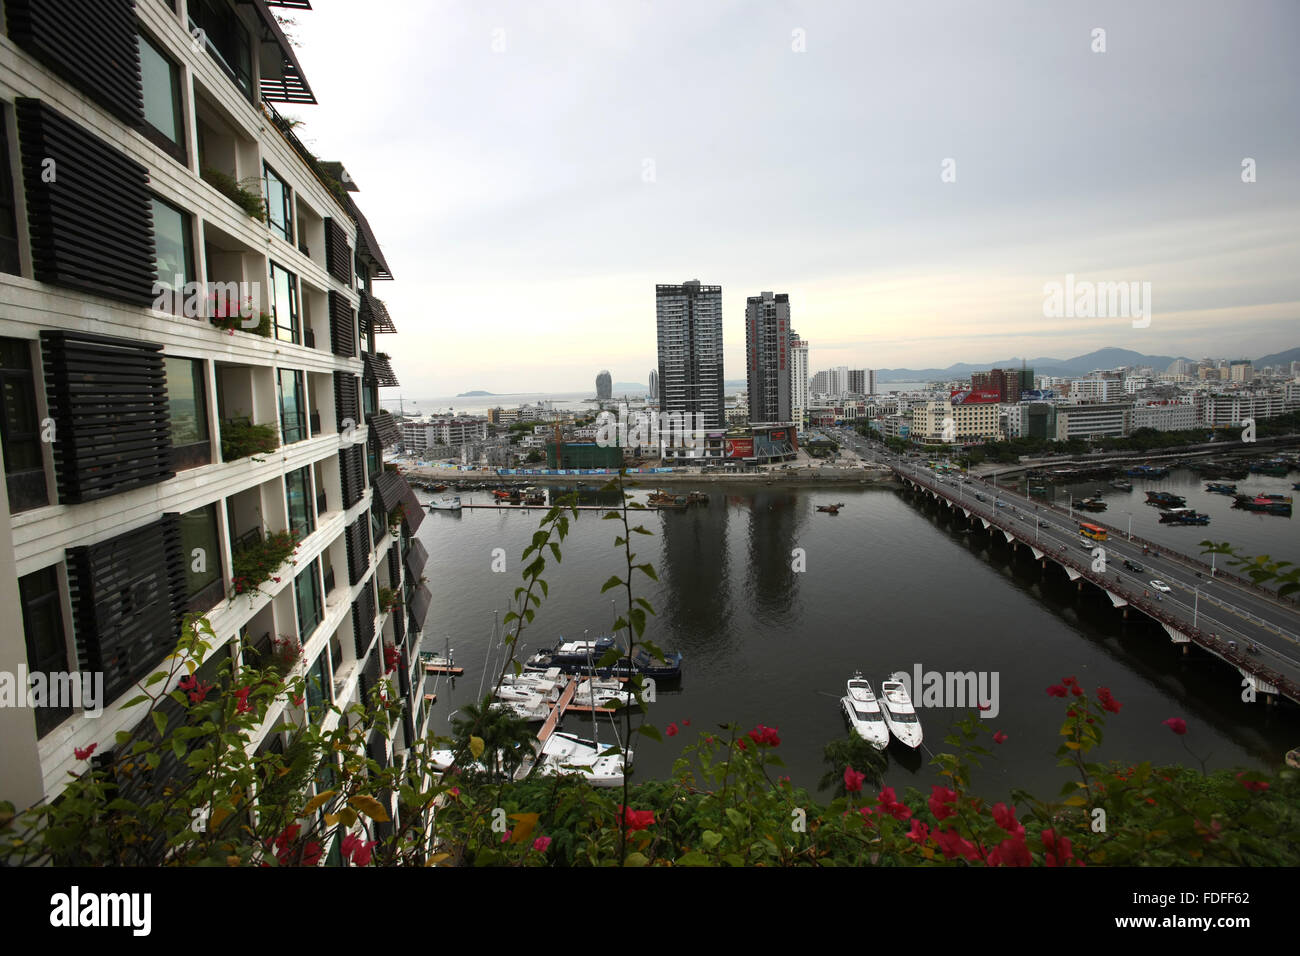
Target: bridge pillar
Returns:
[[1177, 636], [1072, 574], [1038, 555], [1116, 600], [1008, 535]]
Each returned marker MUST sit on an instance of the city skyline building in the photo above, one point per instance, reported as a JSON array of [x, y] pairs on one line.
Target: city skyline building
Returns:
[[604, 385], [798, 378], [688, 318], [767, 356]]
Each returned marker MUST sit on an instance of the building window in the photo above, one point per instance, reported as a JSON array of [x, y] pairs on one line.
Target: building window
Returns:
[[293, 420], [201, 552], [165, 124], [47, 650], [279, 205], [9, 259], [226, 38], [187, 406], [306, 588], [284, 303], [20, 428], [319, 693], [174, 252], [298, 492]]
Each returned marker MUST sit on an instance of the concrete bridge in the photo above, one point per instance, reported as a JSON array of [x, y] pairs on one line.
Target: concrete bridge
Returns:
[[1244, 624]]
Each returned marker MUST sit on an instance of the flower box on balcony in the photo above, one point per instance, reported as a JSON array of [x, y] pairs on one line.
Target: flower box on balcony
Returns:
[[240, 438], [257, 561]]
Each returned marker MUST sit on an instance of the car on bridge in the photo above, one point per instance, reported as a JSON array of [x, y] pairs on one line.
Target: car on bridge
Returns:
[[1161, 586], [980, 497], [1133, 565]]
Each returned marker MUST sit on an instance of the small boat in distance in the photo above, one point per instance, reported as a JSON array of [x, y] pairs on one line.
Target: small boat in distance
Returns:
[[1270, 504], [863, 712], [1123, 484], [1221, 489], [1183, 516], [445, 503], [829, 509], [1165, 499], [899, 713]]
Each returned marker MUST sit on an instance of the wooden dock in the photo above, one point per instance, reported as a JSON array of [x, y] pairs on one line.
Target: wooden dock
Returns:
[[442, 669], [561, 705]]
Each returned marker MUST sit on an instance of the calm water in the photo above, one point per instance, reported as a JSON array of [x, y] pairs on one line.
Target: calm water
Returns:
[[888, 585]]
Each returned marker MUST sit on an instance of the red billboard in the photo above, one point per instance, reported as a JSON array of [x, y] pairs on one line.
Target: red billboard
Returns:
[[740, 448], [975, 396]]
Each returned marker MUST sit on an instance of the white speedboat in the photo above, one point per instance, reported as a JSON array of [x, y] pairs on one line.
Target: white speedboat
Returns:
[[602, 693], [863, 711], [534, 708], [899, 713], [567, 754], [445, 503]]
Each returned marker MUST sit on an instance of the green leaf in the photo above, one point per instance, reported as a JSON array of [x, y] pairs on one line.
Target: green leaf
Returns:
[[710, 839], [155, 677], [651, 731], [649, 571], [694, 858], [613, 582], [159, 721], [636, 859]]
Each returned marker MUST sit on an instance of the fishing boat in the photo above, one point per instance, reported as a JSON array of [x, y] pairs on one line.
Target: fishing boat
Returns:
[[1221, 489], [437, 488], [899, 713], [829, 509], [1147, 471], [1270, 504], [1183, 516], [1123, 484], [1165, 499], [534, 496], [1090, 504], [501, 494], [445, 503], [567, 754], [1277, 467], [698, 498], [863, 712]]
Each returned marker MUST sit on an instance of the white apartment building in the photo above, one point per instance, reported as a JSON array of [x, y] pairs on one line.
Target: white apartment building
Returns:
[[798, 378], [1168, 417], [1099, 387], [212, 432], [1219, 410], [977, 421], [1092, 421]]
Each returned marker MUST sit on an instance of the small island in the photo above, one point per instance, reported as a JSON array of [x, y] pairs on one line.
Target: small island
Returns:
[[474, 394]]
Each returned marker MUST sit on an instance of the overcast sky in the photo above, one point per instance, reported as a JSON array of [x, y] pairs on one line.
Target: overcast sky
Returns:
[[533, 169]]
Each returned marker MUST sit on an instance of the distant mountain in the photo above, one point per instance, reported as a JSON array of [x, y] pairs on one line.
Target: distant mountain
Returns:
[[1079, 365], [1278, 358], [474, 394], [630, 388]]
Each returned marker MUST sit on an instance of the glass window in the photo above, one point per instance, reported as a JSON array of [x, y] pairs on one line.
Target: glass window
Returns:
[[20, 427], [293, 422], [162, 92], [279, 208], [188, 407], [47, 651], [284, 303], [298, 491], [174, 252], [306, 588], [201, 552], [226, 38], [319, 694]]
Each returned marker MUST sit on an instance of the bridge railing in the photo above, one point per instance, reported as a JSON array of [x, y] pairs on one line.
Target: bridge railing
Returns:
[[1209, 641]]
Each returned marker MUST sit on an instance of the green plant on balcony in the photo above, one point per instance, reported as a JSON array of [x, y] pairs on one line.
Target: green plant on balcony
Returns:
[[241, 438], [389, 599], [236, 323], [395, 518], [238, 191], [287, 652], [256, 562]]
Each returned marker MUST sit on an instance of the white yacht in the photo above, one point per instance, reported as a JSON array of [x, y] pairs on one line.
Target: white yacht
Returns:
[[445, 503], [863, 711], [899, 713], [565, 753]]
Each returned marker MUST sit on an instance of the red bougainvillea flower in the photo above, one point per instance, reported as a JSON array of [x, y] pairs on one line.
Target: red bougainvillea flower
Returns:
[[920, 832], [1076, 690], [1056, 690], [708, 738], [505, 837], [1057, 847], [1107, 701], [311, 853], [999, 737], [670, 730], [541, 843], [297, 701], [241, 696], [941, 800], [636, 819], [686, 723], [853, 780], [764, 735], [361, 854], [889, 804], [1071, 713], [1005, 817], [1176, 724], [741, 744], [954, 845], [83, 753], [454, 791], [1011, 852], [1070, 681], [1256, 786]]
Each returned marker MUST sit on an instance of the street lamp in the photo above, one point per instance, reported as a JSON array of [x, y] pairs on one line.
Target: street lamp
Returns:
[[1196, 604], [1130, 524]]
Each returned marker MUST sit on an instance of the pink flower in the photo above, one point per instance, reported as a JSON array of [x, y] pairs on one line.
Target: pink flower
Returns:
[[541, 843], [686, 723], [1011, 852], [297, 701], [1176, 724], [890, 805], [83, 753], [505, 837], [1058, 848], [764, 735], [1107, 701], [636, 819], [671, 730], [1056, 690], [241, 696], [853, 780], [1005, 817], [954, 845], [999, 737], [941, 800], [920, 832], [454, 791], [1256, 786]]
